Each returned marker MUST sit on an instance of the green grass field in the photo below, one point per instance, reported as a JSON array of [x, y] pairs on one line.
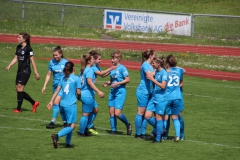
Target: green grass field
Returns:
[[211, 121], [211, 106]]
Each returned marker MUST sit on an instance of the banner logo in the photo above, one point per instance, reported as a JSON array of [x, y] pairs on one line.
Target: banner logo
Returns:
[[114, 20]]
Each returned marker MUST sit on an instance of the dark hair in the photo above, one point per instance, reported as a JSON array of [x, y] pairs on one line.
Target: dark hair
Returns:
[[161, 61], [171, 60], [68, 69], [94, 53], [25, 36], [59, 50], [84, 61], [146, 54], [117, 54]]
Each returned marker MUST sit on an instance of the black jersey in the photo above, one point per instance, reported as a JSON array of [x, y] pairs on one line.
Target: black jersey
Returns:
[[24, 58]]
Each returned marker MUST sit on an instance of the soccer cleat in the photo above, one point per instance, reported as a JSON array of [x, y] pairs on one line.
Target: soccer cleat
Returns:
[[55, 139], [113, 132], [50, 125], [182, 138], [17, 111], [155, 141], [93, 128], [163, 139], [141, 137], [81, 135], [93, 132], [176, 139], [129, 129], [69, 146], [87, 133], [34, 107]]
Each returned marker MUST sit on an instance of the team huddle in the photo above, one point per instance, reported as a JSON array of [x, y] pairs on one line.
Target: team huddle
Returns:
[[159, 94]]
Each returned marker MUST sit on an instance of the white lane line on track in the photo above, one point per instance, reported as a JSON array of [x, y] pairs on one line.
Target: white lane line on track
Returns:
[[101, 134]]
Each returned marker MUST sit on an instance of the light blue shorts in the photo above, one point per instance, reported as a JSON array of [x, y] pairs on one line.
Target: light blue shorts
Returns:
[[143, 99], [161, 107], [151, 106], [87, 104], [70, 113], [117, 98], [173, 107]]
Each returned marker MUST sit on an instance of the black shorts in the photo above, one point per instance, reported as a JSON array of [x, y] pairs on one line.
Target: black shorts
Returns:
[[22, 77]]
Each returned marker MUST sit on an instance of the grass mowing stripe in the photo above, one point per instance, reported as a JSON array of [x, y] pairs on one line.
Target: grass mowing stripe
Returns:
[[102, 134]]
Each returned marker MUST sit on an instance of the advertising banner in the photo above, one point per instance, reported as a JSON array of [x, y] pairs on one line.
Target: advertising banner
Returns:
[[147, 22]]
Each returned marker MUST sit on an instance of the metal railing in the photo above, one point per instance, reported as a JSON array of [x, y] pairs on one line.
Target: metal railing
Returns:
[[203, 25]]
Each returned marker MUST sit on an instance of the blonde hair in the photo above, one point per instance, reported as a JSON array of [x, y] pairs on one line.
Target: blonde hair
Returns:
[[117, 54]]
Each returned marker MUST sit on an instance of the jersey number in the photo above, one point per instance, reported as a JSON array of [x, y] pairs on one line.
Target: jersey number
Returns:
[[173, 81], [66, 89]]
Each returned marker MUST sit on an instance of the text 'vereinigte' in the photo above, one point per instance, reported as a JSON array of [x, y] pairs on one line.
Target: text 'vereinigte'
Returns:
[[137, 17]]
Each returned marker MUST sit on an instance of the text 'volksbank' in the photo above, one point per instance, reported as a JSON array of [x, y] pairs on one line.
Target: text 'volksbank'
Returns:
[[144, 23]]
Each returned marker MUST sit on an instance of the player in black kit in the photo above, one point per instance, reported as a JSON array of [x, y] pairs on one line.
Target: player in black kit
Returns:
[[23, 55]]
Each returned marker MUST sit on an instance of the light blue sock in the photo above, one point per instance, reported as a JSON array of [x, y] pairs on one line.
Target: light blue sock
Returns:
[[55, 111], [91, 118], [144, 126], [176, 127], [115, 122], [65, 131], [181, 120], [159, 130], [83, 124], [112, 123], [68, 138], [123, 118], [152, 121], [138, 123]]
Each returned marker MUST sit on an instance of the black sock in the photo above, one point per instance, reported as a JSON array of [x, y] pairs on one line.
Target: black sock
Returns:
[[19, 100], [28, 98]]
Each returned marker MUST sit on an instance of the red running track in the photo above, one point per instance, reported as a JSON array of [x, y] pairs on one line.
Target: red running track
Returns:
[[220, 51]]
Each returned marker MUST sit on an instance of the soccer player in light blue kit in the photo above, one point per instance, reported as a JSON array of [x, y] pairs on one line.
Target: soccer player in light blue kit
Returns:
[[55, 68], [144, 92], [181, 120], [173, 93], [119, 77], [87, 90], [98, 72], [67, 88], [158, 102]]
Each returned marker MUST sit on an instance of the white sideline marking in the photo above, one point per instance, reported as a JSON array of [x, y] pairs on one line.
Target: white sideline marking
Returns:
[[199, 142], [210, 97]]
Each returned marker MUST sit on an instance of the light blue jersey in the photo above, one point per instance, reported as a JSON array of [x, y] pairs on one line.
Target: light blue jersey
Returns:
[[86, 89], [118, 75], [56, 67], [145, 85], [95, 68], [68, 90], [173, 83], [117, 95], [159, 93]]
